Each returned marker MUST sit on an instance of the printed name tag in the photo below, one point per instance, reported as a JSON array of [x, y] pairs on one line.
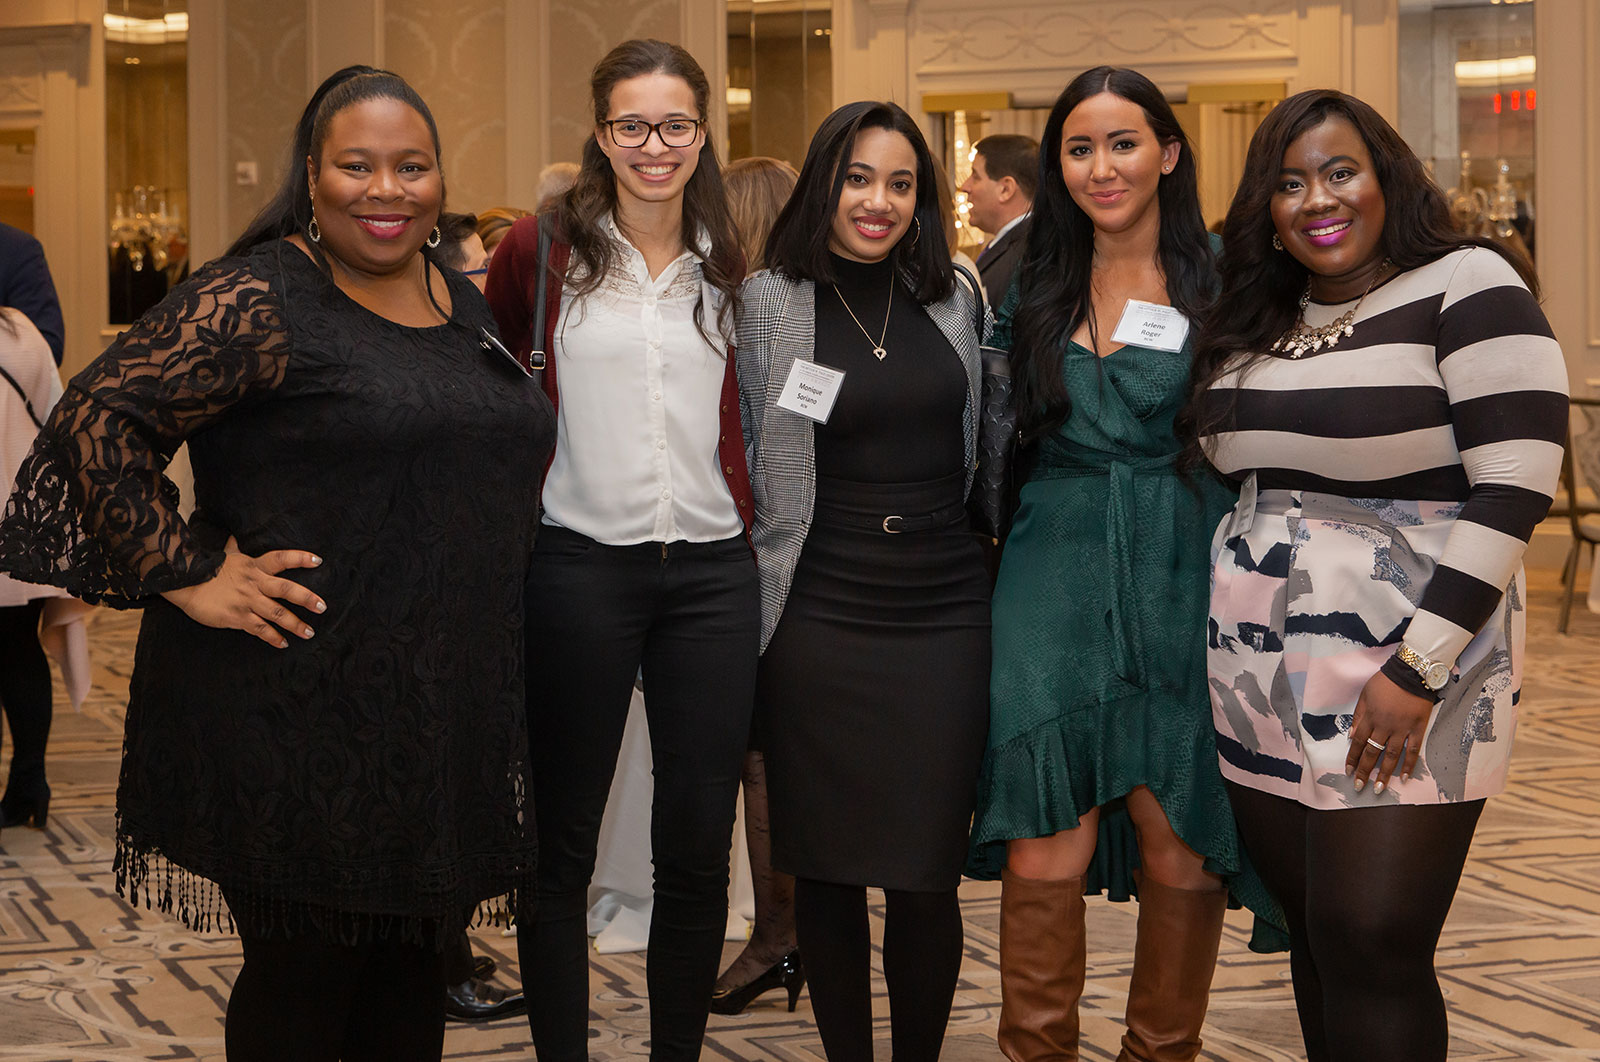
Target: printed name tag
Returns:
[[811, 390], [1144, 324]]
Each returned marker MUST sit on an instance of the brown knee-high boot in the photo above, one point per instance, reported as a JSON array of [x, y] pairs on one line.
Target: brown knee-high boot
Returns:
[[1174, 957], [1041, 968]]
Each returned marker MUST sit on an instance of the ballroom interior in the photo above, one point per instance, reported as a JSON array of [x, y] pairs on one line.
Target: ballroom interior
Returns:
[[137, 137]]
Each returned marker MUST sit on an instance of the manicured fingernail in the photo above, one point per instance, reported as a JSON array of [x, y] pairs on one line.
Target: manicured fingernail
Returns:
[[1377, 788], [1349, 770], [1405, 777], [322, 606], [1360, 785], [307, 632], [315, 559]]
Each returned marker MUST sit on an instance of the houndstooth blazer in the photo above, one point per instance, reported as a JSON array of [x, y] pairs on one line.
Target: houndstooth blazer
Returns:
[[776, 328]]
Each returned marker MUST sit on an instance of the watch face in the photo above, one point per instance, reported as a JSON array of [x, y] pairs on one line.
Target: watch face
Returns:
[[1436, 677]]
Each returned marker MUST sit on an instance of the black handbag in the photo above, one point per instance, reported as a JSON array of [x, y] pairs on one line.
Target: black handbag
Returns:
[[992, 502]]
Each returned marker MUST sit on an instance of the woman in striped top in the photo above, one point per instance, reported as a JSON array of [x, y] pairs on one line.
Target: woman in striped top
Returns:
[[1393, 402]]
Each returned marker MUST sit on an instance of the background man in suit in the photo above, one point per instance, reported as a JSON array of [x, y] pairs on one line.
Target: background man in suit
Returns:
[[25, 285], [1005, 172]]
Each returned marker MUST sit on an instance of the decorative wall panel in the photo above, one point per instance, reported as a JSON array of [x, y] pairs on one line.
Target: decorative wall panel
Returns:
[[20, 92], [582, 31], [949, 36], [453, 52], [265, 90]]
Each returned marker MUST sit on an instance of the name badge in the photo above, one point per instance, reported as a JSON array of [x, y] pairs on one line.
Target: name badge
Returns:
[[811, 390], [1144, 324]]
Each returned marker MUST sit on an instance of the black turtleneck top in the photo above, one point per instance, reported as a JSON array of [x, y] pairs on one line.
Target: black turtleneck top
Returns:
[[897, 420]]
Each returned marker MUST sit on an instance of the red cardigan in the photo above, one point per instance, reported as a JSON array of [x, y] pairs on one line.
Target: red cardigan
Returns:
[[512, 288]]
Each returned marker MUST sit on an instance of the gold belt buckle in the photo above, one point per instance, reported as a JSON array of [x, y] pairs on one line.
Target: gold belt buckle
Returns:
[[891, 530]]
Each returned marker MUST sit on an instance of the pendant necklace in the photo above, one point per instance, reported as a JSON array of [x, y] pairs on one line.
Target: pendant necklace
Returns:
[[877, 347], [1303, 339]]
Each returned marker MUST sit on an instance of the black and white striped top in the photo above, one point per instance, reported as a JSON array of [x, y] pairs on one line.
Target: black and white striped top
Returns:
[[1451, 388]]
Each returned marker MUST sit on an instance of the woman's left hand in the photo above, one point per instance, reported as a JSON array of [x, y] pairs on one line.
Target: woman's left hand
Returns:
[[1392, 718]]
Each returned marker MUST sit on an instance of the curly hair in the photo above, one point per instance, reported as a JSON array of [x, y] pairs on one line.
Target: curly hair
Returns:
[[1261, 287]]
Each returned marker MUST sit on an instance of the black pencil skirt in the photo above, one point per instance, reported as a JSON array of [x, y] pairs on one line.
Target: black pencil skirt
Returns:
[[873, 696]]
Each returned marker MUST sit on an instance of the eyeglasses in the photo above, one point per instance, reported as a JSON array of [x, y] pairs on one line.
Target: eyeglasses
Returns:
[[674, 132]]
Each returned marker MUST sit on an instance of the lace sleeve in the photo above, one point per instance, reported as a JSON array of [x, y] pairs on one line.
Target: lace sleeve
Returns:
[[92, 511]]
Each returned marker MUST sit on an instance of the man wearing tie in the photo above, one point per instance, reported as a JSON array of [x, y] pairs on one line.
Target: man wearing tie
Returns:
[[1005, 172]]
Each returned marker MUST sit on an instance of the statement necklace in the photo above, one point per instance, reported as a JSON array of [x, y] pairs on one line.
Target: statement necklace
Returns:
[[877, 347], [1303, 339]]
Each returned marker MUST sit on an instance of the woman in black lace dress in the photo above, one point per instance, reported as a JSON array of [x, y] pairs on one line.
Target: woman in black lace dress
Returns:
[[362, 471]]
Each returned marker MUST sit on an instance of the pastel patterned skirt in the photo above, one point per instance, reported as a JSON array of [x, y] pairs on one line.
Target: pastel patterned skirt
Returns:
[[1310, 594]]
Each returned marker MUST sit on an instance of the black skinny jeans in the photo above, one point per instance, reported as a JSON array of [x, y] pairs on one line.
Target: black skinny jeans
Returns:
[[690, 614]]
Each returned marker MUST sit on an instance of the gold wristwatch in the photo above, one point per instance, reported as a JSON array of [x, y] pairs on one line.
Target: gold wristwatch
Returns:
[[1434, 674]]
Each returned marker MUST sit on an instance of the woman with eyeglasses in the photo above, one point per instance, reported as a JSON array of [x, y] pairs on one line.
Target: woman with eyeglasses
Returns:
[[642, 558]]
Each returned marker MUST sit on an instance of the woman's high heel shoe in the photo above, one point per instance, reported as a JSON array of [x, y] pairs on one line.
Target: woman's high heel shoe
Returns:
[[788, 972], [29, 812]]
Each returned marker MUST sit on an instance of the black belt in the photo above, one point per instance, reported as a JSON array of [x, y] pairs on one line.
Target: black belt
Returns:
[[895, 523]]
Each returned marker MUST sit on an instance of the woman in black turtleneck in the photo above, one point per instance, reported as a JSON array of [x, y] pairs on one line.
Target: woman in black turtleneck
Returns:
[[872, 703]]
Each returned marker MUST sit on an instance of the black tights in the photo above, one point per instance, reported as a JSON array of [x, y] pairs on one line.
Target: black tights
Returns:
[[1366, 892], [25, 693], [308, 1000], [922, 945]]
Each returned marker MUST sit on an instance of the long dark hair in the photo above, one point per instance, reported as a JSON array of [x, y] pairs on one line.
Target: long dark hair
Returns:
[[798, 246], [1057, 268], [581, 212], [1261, 286], [289, 210]]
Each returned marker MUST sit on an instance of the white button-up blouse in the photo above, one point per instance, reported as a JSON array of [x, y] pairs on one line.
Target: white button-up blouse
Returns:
[[637, 425]]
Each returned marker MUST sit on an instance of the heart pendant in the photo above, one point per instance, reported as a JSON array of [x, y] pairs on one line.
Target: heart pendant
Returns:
[[880, 352]]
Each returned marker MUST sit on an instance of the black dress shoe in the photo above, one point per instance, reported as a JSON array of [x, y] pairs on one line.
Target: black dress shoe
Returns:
[[787, 973], [483, 967], [479, 1001]]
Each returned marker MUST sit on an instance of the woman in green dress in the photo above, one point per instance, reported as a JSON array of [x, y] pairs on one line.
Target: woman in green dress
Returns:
[[1101, 769]]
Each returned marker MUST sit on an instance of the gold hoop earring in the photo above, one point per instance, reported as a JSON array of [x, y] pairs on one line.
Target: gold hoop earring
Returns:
[[1277, 244], [434, 240], [313, 230], [916, 233]]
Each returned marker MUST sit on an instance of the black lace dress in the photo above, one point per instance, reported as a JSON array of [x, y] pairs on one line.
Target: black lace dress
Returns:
[[371, 778]]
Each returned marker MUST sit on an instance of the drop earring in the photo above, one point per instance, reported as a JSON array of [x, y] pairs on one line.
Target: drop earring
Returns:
[[313, 230], [1277, 244]]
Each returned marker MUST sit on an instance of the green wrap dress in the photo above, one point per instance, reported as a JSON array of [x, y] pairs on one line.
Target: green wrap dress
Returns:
[[1099, 634]]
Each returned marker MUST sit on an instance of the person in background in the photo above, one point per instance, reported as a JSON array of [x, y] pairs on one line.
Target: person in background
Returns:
[[642, 558], [1394, 404], [29, 387], [326, 718], [554, 180], [1000, 191], [1101, 771], [494, 223], [873, 691], [757, 190], [25, 286]]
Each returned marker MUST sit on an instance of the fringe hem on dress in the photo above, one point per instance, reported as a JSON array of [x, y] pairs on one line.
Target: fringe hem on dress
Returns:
[[147, 878]]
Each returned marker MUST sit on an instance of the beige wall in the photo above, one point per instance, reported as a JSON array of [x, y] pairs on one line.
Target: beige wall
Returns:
[[453, 51], [264, 90]]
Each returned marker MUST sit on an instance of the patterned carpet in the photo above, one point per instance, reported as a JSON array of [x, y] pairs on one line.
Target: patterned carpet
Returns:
[[84, 977]]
